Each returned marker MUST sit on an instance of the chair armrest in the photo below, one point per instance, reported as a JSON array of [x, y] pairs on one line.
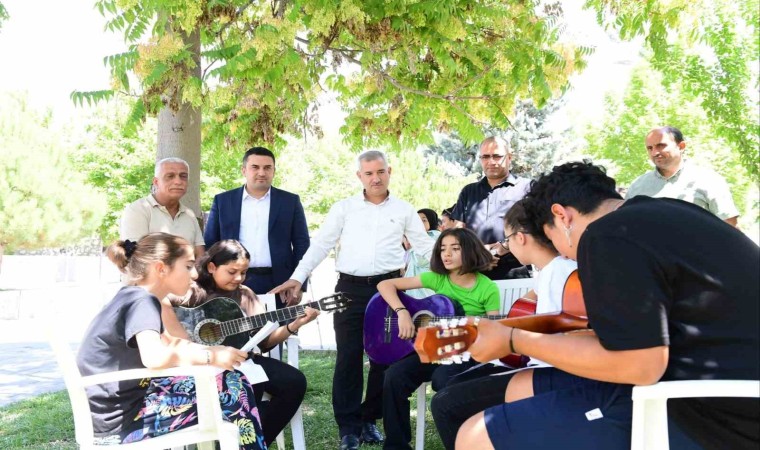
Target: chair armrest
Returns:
[[136, 374], [698, 388]]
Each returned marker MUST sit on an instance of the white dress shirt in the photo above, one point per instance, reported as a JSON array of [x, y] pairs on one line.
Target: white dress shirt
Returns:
[[367, 237], [254, 228]]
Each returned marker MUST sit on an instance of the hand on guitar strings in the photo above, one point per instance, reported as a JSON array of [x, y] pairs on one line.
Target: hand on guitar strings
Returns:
[[492, 341], [406, 328]]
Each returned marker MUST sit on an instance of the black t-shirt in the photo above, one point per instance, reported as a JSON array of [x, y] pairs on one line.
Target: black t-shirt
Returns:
[[110, 345], [665, 272], [483, 209]]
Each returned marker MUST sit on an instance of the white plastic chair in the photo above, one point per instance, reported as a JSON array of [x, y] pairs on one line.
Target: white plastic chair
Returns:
[[296, 423], [509, 291], [649, 429], [211, 425]]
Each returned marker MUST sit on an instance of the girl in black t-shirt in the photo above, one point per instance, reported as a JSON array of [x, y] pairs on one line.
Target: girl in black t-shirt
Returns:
[[126, 334], [221, 272]]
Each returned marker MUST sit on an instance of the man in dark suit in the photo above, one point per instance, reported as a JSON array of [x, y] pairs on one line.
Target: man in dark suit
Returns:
[[269, 222]]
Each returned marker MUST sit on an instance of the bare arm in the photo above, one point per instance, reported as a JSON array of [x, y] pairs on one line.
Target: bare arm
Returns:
[[172, 351], [576, 353], [388, 289]]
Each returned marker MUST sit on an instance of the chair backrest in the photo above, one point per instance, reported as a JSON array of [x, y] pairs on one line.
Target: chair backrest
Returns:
[[511, 290], [73, 379], [269, 301]]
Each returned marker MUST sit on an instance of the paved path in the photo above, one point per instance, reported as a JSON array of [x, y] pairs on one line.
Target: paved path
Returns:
[[27, 364]]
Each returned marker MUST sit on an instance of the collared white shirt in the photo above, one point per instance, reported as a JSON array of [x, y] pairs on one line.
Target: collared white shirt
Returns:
[[367, 237], [691, 183], [254, 228]]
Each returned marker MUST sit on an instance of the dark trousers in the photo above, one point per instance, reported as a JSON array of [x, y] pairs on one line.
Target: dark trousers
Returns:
[[401, 380], [286, 386], [466, 395], [348, 380]]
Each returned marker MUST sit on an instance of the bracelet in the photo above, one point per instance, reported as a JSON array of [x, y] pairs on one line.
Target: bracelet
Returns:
[[399, 309], [511, 342], [287, 327]]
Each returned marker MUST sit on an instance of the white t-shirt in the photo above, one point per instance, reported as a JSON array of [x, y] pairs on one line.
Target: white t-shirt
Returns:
[[550, 284]]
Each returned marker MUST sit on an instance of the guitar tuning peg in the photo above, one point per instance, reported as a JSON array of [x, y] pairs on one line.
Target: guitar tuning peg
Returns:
[[466, 356], [453, 323], [457, 359], [462, 321], [447, 362]]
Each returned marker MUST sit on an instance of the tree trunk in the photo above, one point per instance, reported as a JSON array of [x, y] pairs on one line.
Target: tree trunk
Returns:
[[179, 133]]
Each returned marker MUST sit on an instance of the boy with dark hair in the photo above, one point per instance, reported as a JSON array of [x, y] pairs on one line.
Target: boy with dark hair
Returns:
[[661, 308]]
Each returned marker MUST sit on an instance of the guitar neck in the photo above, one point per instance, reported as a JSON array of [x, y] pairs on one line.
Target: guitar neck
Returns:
[[259, 320], [496, 317]]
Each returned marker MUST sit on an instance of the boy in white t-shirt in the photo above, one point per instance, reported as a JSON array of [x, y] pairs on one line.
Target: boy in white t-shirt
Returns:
[[464, 395]]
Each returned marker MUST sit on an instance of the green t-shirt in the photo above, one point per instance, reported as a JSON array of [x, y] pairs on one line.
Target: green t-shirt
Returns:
[[482, 297]]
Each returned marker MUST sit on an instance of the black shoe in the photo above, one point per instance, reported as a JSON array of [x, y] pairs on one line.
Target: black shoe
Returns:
[[349, 442], [371, 434]]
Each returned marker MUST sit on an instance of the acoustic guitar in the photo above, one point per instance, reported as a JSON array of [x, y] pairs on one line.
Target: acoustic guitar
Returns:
[[450, 338], [221, 321], [381, 341]]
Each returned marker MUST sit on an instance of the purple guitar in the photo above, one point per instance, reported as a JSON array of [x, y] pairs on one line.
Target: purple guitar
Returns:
[[381, 341]]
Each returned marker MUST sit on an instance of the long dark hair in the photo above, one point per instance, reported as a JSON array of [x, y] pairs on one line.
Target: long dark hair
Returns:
[[432, 217], [475, 257], [223, 252]]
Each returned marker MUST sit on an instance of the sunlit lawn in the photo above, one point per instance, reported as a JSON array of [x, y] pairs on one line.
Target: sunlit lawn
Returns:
[[45, 422]]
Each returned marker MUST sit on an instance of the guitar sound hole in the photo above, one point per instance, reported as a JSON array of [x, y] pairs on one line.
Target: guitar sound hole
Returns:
[[423, 320], [210, 333]]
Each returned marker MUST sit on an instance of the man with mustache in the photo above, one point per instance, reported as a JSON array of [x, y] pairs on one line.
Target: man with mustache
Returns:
[[162, 211], [674, 177]]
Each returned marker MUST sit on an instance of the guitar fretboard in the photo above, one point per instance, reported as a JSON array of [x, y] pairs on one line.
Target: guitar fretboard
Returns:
[[422, 318], [244, 324]]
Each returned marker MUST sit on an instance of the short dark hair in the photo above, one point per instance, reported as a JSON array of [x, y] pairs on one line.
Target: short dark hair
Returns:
[[582, 185], [223, 252], [518, 219], [431, 215], [672, 131], [258, 151], [475, 257]]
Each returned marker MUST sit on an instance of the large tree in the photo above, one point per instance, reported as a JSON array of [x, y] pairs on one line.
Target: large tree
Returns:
[[255, 69]]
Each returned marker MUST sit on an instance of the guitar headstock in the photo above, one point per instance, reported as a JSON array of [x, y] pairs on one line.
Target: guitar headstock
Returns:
[[446, 342], [336, 302]]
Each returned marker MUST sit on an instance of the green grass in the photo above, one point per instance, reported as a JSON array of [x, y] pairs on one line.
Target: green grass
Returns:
[[45, 422]]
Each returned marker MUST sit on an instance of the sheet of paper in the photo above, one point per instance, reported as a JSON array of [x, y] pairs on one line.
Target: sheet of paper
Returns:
[[252, 371]]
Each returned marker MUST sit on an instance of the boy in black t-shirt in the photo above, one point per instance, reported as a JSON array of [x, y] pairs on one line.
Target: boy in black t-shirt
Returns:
[[671, 293]]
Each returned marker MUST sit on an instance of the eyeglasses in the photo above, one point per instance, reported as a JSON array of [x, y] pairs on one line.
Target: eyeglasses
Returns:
[[495, 157], [505, 242]]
